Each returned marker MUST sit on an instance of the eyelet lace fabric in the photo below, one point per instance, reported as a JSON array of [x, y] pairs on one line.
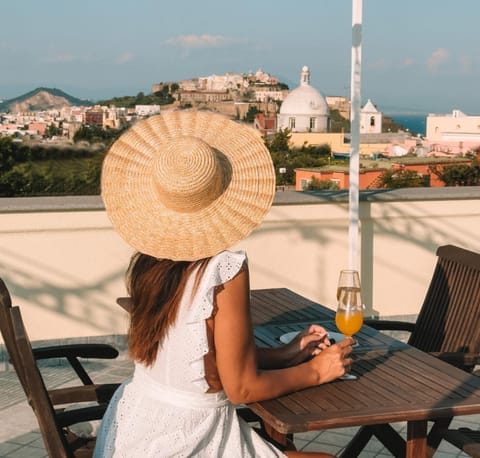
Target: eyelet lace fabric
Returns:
[[165, 410]]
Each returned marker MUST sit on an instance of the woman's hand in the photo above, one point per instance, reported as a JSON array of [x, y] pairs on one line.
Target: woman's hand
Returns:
[[333, 362], [309, 342]]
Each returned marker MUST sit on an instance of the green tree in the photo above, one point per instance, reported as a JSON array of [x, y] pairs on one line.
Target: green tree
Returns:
[[251, 113], [52, 130], [7, 153], [295, 159], [96, 134], [316, 184], [279, 141], [324, 150], [395, 179], [458, 175]]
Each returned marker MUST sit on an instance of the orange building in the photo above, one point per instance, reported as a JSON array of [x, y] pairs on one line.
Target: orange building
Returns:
[[371, 171], [39, 127], [265, 124]]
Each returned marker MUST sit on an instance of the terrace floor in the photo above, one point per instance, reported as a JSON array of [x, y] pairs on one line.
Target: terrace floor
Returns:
[[20, 438]]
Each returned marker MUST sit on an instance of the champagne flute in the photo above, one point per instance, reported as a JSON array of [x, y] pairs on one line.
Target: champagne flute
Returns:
[[349, 315]]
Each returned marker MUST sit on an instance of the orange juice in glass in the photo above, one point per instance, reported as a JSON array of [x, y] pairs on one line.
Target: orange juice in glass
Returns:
[[349, 315]]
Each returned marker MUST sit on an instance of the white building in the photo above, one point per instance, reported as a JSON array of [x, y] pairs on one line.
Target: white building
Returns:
[[228, 81], [147, 110], [370, 119], [263, 94], [454, 127], [304, 109]]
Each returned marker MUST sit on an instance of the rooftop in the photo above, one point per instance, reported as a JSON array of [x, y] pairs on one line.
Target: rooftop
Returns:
[[388, 163]]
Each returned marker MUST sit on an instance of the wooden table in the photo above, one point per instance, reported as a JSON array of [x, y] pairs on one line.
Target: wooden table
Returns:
[[396, 382]]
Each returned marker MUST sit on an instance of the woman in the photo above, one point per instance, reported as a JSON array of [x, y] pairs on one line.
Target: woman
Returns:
[[182, 188]]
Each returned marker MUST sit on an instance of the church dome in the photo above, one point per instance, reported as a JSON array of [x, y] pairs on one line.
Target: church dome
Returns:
[[304, 109], [305, 99]]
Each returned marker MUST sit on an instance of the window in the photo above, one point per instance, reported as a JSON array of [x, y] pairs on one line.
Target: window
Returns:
[[304, 183], [291, 123], [372, 121], [313, 122]]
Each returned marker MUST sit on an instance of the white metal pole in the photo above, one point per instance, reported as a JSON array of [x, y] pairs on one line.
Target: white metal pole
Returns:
[[355, 104]]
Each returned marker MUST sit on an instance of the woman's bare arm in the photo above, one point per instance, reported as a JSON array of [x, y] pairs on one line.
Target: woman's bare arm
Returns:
[[236, 354]]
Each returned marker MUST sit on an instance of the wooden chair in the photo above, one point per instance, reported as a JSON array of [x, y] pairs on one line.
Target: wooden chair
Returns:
[[54, 421], [71, 352], [447, 327]]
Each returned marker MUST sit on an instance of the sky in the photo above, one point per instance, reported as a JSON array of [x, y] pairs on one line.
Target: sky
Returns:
[[417, 56]]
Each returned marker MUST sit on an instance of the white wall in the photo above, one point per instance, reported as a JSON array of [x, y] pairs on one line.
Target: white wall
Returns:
[[65, 268]]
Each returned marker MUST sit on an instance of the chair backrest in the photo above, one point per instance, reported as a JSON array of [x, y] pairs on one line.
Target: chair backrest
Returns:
[[36, 391], [450, 315], [7, 331]]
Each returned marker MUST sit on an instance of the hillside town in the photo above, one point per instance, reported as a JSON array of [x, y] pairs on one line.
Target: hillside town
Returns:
[[273, 107]]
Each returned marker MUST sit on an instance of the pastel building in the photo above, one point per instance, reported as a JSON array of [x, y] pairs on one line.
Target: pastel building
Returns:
[[453, 134], [304, 109], [370, 119], [456, 126]]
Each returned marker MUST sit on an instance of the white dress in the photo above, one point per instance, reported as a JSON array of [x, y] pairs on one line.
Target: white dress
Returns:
[[165, 410]]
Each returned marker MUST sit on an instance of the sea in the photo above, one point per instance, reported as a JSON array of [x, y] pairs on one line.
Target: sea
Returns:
[[414, 122]]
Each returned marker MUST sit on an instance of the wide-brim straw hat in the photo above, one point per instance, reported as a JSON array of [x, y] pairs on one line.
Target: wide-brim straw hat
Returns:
[[186, 185]]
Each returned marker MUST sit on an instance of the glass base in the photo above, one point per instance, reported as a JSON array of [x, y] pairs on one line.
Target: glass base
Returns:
[[348, 377]]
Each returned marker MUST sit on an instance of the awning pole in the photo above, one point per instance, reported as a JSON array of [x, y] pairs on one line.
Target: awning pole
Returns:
[[355, 98]]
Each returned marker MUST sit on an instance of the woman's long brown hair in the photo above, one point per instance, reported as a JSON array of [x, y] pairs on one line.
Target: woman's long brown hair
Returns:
[[155, 287]]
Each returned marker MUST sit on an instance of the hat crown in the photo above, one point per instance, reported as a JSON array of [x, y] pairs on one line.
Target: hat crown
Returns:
[[189, 174]]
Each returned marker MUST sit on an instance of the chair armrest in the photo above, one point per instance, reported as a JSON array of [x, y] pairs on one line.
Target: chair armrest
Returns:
[[74, 351], [80, 415], [389, 325], [459, 359], [85, 393], [101, 351]]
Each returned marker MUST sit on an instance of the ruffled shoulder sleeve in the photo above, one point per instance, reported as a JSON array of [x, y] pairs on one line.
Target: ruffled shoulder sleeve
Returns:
[[221, 269]]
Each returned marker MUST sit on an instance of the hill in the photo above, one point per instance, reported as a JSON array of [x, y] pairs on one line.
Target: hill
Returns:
[[42, 98]]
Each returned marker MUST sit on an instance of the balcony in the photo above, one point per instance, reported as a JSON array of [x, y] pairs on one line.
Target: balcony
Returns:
[[65, 265]]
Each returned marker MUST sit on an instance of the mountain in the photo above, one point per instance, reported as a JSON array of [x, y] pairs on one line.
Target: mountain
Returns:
[[42, 98]]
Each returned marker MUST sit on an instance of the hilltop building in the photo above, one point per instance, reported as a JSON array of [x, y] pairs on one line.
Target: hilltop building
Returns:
[[203, 96], [304, 109]]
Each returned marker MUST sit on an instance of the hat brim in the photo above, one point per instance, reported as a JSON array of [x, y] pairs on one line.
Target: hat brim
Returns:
[[136, 212]]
